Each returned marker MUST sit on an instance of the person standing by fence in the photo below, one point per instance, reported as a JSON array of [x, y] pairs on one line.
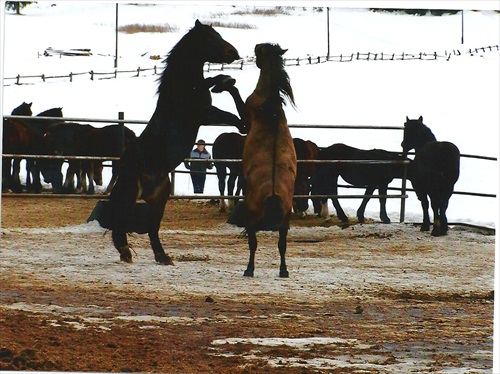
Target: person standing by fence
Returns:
[[198, 169]]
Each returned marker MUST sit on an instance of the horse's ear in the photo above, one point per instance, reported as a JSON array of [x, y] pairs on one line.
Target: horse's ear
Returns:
[[197, 23], [407, 119], [421, 119], [283, 51], [30, 104]]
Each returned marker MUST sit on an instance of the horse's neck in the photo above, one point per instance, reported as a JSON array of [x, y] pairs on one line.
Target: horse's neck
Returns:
[[426, 137]]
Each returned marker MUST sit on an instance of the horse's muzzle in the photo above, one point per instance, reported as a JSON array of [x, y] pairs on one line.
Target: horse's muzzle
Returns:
[[231, 54]]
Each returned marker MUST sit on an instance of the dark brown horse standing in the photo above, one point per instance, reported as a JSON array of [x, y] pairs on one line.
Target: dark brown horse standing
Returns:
[[184, 103], [269, 161], [433, 172]]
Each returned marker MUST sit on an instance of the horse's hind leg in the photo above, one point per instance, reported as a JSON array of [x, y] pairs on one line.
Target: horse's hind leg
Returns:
[[121, 204], [156, 200], [252, 245], [361, 210], [282, 248], [440, 225]]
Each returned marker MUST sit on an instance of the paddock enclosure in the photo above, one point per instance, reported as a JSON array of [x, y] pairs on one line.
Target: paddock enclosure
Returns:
[[369, 298]]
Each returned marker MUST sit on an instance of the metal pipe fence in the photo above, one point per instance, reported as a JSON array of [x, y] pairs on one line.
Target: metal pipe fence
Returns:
[[402, 195]]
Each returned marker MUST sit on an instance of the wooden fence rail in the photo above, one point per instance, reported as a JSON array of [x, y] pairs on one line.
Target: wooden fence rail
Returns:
[[239, 65]]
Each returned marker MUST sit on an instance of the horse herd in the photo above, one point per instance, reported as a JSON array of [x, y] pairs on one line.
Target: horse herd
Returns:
[[269, 174], [54, 137]]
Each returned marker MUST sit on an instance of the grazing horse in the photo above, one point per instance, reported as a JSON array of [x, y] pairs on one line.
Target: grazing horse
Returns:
[[433, 172], [228, 145], [269, 161], [184, 104], [308, 151], [371, 176]]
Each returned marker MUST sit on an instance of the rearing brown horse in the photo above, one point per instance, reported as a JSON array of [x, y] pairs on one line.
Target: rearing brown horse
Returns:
[[269, 160], [184, 103]]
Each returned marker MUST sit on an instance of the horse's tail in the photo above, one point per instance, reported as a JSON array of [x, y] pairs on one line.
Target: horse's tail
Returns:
[[273, 215]]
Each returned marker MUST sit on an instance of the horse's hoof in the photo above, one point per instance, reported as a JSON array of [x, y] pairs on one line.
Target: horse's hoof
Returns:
[[226, 82], [284, 274], [126, 257], [164, 260], [248, 273]]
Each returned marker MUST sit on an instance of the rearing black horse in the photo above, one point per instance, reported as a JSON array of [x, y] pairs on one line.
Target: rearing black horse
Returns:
[[184, 103]]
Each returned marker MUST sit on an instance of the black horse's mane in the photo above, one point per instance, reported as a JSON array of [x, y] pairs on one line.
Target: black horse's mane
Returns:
[[175, 54]]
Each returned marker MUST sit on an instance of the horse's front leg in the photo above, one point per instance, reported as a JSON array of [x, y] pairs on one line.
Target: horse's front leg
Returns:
[[426, 221], [156, 192], [382, 190], [252, 246], [340, 212], [282, 249]]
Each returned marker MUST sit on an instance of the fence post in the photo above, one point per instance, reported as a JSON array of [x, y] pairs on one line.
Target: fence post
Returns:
[[121, 126], [138, 71], [18, 79], [172, 182], [71, 77], [92, 75]]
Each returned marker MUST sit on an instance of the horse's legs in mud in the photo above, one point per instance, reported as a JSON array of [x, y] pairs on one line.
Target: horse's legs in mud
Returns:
[[282, 249], [252, 246], [121, 205], [156, 201]]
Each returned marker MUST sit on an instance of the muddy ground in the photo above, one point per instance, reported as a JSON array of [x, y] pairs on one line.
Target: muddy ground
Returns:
[[368, 298]]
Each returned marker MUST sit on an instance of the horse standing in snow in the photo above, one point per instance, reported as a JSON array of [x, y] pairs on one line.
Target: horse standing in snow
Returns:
[[433, 172]]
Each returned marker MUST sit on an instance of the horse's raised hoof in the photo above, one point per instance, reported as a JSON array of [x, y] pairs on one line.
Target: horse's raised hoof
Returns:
[[226, 81], [164, 259], [125, 254]]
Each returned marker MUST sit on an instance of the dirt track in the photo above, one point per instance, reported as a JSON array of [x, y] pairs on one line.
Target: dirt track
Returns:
[[367, 298]]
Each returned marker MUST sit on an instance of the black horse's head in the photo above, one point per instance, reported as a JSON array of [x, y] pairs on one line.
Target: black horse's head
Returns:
[[23, 110], [206, 45], [416, 134]]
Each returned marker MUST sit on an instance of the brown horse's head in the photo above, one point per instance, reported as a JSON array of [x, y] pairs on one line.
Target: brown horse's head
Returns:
[[269, 59]]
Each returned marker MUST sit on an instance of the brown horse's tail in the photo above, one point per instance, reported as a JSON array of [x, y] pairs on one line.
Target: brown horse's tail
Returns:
[[273, 216], [271, 220]]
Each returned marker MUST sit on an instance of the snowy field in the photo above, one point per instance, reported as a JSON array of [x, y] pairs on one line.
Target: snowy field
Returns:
[[458, 98]]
